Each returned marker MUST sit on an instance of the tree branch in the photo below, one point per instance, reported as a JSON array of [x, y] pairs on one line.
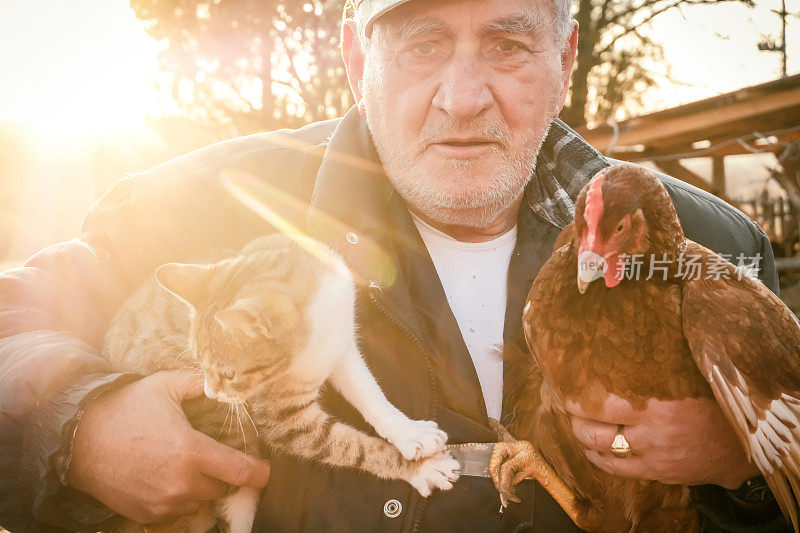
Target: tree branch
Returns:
[[629, 11], [634, 28], [655, 13]]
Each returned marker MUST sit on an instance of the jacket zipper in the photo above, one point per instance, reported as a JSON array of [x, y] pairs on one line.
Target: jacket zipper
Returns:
[[388, 313]]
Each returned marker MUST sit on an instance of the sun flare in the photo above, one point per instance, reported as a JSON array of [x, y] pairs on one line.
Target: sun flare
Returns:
[[73, 73]]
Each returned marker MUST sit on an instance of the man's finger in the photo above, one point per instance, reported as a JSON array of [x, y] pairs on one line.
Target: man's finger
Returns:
[[171, 518], [207, 488], [183, 384], [614, 410], [594, 435], [630, 467], [599, 436], [229, 465]]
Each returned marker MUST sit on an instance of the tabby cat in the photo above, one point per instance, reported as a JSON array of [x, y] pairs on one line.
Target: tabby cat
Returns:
[[267, 327]]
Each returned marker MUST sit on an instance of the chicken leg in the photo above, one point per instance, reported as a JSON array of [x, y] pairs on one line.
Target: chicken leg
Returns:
[[515, 460]]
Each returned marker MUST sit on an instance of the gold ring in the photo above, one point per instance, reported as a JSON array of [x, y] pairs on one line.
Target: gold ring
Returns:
[[620, 447]]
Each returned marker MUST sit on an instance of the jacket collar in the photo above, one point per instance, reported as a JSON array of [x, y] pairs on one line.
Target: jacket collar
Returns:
[[350, 200], [565, 164], [349, 212]]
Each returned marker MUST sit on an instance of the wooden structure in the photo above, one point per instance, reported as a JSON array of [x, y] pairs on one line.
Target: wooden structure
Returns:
[[758, 119], [779, 218], [761, 118]]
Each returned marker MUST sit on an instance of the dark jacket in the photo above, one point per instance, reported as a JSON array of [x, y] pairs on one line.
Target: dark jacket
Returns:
[[325, 179]]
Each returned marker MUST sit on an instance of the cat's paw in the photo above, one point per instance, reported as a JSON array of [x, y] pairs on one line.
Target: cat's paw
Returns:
[[437, 472], [417, 439]]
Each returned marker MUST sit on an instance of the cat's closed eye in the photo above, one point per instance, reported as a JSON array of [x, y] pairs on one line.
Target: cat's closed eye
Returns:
[[255, 370]]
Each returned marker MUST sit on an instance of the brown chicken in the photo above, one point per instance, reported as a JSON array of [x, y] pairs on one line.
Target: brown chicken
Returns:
[[698, 327]]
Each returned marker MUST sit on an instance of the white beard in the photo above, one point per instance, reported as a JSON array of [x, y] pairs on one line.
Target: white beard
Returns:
[[466, 193]]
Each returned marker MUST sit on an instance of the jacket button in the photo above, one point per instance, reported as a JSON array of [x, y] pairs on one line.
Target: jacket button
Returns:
[[352, 238], [392, 508]]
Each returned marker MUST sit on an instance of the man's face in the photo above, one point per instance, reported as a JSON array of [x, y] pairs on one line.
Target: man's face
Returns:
[[459, 95]]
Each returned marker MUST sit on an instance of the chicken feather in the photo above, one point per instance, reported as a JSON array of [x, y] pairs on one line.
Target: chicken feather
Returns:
[[765, 418]]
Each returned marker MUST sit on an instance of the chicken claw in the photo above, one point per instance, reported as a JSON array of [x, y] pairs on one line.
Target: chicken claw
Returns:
[[515, 460], [511, 462]]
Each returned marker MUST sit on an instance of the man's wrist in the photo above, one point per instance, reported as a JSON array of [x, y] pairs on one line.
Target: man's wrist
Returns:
[[97, 387]]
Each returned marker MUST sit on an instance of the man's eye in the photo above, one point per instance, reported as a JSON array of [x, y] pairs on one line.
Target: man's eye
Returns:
[[510, 46], [423, 55], [424, 49]]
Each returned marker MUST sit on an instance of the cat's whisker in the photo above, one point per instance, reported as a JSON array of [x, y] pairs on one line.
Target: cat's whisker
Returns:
[[244, 407], [225, 420], [199, 379], [228, 416], [221, 426], [190, 367], [241, 427], [230, 410], [219, 405], [190, 363], [162, 353]]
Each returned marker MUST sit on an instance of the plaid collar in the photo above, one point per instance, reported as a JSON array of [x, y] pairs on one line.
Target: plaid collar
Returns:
[[565, 164]]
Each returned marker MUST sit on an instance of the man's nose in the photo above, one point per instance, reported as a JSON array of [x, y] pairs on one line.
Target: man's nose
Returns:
[[464, 92]]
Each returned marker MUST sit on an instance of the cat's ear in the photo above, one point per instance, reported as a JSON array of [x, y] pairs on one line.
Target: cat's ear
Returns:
[[280, 309], [244, 318], [187, 282], [259, 316]]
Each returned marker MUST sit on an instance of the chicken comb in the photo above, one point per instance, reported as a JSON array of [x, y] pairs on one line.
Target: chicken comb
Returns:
[[593, 211]]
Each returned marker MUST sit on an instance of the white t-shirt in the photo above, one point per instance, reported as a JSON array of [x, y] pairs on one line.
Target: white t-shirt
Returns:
[[474, 276]]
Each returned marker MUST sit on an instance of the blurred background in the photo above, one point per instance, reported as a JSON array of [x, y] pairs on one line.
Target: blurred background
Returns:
[[94, 90]]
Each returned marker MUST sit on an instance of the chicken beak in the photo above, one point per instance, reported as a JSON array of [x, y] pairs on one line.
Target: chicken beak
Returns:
[[582, 285], [591, 266]]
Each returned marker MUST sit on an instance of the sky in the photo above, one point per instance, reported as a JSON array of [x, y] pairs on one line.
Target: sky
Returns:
[[88, 64], [713, 49], [82, 64]]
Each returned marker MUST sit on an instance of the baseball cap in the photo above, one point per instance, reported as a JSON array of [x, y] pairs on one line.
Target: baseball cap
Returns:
[[374, 9]]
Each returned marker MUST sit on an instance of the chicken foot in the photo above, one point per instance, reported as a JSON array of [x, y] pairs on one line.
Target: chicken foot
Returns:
[[515, 460]]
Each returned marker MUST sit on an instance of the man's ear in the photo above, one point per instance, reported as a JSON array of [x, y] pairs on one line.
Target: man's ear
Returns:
[[353, 62], [567, 61]]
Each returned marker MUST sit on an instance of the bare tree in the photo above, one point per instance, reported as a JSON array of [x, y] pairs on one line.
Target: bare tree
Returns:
[[240, 66], [615, 57]]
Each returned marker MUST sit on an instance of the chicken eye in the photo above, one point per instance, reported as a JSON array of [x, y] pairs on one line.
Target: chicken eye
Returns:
[[620, 228]]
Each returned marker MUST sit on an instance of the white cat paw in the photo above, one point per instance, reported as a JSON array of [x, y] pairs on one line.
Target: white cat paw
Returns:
[[438, 472], [417, 439]]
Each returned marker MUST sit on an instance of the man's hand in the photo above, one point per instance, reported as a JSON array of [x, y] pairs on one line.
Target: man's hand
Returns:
[[136, 452], [687, 442]]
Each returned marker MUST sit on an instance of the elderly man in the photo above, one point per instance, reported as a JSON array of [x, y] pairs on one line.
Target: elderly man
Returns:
[[444, 189]]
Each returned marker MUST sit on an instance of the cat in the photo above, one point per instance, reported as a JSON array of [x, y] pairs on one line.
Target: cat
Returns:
[[268, 326]]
